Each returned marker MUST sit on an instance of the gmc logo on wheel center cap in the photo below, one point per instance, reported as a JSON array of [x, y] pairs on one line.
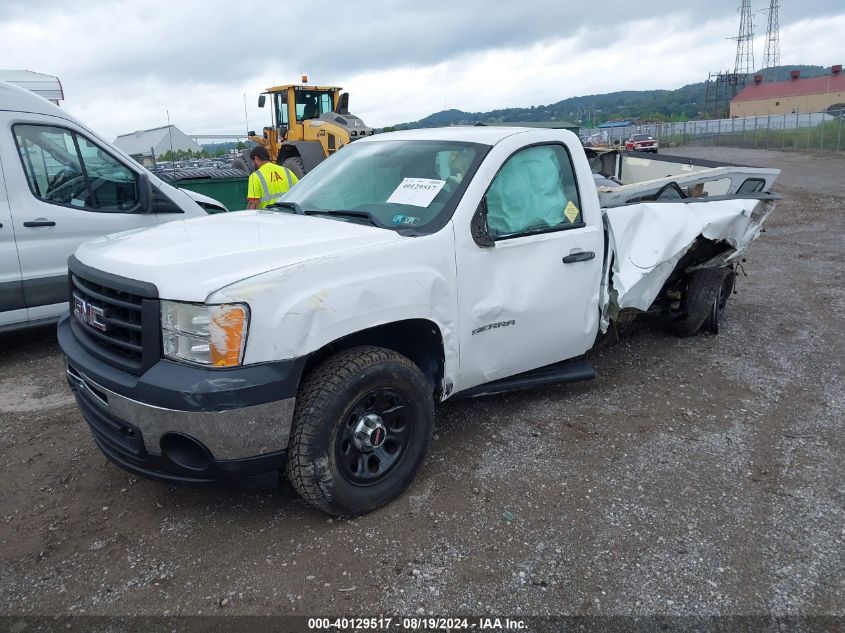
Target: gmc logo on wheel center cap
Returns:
[[88, 313]]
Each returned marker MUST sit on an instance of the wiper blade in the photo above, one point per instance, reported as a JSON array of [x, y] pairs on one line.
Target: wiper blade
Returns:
[[348, 213], [287, 205]]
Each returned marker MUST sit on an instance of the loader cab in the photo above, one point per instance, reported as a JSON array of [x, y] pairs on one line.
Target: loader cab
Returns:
[[302, 103]]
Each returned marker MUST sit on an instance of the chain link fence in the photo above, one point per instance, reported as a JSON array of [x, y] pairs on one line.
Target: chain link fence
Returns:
[[799, 132]]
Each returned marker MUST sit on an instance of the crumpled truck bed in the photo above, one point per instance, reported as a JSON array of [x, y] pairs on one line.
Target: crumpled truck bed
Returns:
[[646, 241]]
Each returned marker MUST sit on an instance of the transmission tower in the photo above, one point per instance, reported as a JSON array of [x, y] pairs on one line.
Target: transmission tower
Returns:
[[724, 86], [771, 49], [744, 64]]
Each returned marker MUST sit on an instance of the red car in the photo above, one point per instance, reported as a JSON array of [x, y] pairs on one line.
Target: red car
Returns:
[[641, 143]]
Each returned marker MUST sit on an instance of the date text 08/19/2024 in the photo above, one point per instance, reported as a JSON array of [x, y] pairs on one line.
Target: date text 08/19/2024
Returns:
[[416, 624]]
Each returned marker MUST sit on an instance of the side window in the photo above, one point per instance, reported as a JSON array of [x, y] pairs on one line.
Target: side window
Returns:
[[752, 185], [535, 192], [64, 168], [114, 185], [282, 108], [52, 165], [325, 102], [303, 100]]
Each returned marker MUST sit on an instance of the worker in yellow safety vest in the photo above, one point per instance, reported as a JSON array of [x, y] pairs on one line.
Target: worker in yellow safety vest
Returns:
[[269, 181]]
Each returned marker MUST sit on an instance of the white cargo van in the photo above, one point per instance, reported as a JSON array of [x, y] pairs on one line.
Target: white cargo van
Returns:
[[61, 184]]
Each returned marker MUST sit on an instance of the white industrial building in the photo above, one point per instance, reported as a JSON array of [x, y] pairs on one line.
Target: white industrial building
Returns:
[[155, 142], [46, 86]]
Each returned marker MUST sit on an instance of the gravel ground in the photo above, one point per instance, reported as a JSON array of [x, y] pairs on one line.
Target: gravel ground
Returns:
[[694, 476]]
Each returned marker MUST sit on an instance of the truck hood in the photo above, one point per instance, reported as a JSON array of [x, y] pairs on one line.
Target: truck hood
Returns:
[[189, 259]]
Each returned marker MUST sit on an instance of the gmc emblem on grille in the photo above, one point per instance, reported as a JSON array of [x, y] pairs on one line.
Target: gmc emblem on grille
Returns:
[[87, 313]]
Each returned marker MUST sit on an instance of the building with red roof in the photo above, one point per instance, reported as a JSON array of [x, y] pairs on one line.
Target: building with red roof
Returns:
[[812, 94]]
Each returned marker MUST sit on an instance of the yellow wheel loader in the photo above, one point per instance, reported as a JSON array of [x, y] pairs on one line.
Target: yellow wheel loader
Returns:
[[308, 124]]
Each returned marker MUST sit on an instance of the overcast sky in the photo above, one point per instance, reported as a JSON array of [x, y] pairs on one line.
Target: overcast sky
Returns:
[[124, 64]]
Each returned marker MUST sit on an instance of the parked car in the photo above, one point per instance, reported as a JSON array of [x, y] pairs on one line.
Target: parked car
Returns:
[[642, 143], [413, 267], [60, 185]]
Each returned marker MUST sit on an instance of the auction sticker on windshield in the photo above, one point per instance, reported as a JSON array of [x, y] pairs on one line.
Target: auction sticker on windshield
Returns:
[[418, 192]]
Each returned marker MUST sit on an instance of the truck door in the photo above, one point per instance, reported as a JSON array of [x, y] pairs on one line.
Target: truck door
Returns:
[[12, 308], [63, 190], [531, 299]]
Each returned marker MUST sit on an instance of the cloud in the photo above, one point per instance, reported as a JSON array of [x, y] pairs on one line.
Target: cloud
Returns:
[[124, 64], [554, 70]]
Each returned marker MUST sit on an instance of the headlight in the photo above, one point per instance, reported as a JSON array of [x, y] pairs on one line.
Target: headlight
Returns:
[[206, 335]]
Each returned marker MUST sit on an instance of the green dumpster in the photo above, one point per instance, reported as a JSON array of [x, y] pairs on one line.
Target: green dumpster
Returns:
[[225, 185]]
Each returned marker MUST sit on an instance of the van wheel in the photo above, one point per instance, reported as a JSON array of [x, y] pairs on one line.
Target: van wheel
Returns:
[[296, 165], [361, 429], [704, 300]]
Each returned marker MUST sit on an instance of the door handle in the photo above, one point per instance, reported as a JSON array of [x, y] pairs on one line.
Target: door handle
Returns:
[[583, 256], [39, 222]]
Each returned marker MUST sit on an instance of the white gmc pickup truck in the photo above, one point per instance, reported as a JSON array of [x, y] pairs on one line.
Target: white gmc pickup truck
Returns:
[[409, 268]]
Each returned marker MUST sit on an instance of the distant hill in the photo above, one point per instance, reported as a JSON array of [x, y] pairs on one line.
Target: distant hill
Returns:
[[643, 105]]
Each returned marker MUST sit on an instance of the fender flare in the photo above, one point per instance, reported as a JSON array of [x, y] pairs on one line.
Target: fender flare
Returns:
[[311, 153]]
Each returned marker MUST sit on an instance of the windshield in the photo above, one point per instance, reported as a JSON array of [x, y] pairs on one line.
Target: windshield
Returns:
[[399, 184]]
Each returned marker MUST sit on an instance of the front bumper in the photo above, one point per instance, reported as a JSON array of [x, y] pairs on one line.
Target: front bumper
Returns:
[[186, 424]]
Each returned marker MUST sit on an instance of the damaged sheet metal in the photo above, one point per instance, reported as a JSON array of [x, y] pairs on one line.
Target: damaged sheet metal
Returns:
[[647, 241]]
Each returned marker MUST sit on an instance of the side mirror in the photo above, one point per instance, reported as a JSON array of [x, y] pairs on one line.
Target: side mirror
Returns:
[[343, 103], [261, 100], [478, 226], [145, 194]]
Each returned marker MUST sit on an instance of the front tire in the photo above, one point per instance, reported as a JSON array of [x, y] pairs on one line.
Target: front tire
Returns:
[[361, 430], [296, 165]]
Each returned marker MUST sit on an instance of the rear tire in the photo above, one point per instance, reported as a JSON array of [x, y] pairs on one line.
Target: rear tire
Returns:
[[328, 464], [704, 300], [713, 322], [296, 165]]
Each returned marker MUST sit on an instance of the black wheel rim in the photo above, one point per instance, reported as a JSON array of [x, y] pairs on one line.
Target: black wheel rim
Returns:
[[725, 292], [364, 466], [716, 310]]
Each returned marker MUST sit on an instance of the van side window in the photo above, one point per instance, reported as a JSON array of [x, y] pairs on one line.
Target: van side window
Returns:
[[65, 168], [535, 192]]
